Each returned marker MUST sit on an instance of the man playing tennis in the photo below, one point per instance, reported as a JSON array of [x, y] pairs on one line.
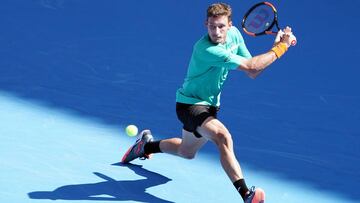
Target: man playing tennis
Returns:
[[197, 102]]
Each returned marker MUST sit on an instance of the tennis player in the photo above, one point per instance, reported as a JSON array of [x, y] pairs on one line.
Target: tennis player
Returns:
[[221, 50]]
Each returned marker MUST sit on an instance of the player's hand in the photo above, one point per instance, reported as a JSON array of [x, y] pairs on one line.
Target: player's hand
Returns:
[[278, 37], [286, 36]]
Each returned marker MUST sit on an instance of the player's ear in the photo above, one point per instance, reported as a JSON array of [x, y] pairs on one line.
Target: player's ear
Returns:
[[206, 23], [230, 23]]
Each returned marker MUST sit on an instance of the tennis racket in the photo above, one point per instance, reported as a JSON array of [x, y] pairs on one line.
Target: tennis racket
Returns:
[[261, 19]]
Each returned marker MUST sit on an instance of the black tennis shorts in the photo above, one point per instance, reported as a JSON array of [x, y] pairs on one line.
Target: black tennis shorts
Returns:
[[192, 115]]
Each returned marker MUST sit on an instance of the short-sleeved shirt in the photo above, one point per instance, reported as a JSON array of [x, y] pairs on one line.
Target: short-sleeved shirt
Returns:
[[209, 67]]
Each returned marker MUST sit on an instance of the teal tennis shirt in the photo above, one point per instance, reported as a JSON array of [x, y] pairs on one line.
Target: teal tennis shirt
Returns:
[[209, 67]]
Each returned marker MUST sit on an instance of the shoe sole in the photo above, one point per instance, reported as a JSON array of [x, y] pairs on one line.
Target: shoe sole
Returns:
[[126, 155]]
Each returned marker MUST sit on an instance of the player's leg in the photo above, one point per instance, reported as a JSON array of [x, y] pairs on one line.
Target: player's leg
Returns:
[[216, 131], [145, 146], [185, 147], [191, 117]]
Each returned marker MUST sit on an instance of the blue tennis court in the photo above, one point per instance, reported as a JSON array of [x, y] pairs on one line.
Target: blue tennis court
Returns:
[[74, 74]]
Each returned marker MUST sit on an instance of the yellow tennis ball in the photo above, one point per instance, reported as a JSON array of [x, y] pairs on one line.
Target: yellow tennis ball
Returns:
[[131, 130]]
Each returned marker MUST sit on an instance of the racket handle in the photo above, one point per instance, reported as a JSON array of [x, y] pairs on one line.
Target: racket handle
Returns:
[[293, 40]]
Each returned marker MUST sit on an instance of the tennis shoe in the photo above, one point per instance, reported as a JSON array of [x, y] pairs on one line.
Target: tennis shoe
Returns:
[[255, 196], [137, 150]]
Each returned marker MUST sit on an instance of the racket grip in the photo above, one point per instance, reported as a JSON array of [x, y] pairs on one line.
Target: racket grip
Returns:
[[293, 40]]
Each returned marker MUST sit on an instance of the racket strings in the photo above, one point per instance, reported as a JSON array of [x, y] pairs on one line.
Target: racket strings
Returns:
[[260, 19]]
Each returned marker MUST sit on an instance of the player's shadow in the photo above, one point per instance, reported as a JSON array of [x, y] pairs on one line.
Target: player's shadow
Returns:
[[110, 189]]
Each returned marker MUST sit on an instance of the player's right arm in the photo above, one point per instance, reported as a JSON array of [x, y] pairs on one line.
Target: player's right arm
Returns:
[[255, 65]]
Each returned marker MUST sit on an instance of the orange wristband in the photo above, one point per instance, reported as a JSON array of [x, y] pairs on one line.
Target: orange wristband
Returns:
[[279, 49]]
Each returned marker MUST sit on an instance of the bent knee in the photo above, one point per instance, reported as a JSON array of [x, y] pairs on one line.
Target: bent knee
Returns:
[[222, 137], [186, 154]]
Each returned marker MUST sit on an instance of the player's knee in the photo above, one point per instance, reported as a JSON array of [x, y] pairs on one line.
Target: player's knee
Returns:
[[223, 137], [189, 156], [186, 154]]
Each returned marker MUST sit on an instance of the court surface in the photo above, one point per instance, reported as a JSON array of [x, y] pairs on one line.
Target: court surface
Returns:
[[74, 73]]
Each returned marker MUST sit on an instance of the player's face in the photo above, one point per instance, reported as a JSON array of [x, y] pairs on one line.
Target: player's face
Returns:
[[217, 28]]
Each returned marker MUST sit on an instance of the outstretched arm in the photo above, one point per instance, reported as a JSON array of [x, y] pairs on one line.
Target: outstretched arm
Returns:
[[255, 65]]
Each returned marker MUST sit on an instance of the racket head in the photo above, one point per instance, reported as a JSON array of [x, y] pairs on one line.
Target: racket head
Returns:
[[260, 19]]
